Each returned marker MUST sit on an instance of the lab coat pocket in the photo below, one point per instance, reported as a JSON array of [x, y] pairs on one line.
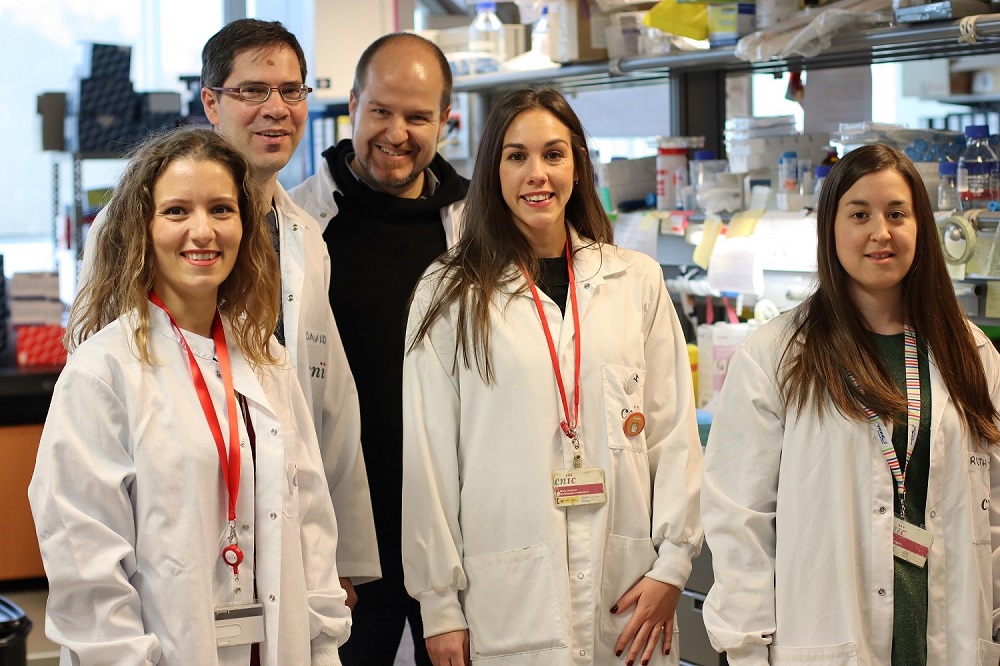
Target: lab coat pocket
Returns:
[[623, 391], [626, 561], [979, 496], [511, 603], [844, 654], [989, 653], [290, 501]]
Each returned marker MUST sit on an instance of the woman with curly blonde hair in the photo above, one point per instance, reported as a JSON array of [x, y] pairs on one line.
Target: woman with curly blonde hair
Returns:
[[179, 499]]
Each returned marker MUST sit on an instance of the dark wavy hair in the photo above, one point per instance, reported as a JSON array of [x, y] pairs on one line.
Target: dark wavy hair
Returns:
[[221, 49], [493, 249], [124, 266], [830, 338]]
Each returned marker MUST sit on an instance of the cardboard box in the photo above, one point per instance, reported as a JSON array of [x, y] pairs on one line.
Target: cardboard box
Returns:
[[41, 284], [36, 311], [727, 23], [40, 345], [577, 31]]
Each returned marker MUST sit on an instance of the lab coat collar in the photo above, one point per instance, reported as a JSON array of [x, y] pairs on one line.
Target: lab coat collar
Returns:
[[244, 378], [593, 263]]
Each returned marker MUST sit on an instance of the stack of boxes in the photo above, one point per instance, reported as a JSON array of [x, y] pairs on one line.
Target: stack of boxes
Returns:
[[36, 315], [109, 115]]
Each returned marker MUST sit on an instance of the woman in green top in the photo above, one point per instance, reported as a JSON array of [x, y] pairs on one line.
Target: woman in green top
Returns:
[[854, 453]]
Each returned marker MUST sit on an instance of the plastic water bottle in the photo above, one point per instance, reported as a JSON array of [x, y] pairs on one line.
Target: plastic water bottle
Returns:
[[820, 173], [788, 172], [947, 190], [540, 34], [486, 31], [976, 179]]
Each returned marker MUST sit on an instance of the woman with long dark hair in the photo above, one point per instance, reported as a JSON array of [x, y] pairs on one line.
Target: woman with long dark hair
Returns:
[[854, 452], [551, 455]]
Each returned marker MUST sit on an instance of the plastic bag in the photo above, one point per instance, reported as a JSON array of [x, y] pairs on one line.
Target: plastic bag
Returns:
[[686, 19], [810, 31]]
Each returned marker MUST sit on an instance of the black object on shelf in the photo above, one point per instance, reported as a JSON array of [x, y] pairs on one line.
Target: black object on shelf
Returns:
[[14, 628]]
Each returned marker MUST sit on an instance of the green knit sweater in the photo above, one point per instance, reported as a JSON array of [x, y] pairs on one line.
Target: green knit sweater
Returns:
[[909, 628]]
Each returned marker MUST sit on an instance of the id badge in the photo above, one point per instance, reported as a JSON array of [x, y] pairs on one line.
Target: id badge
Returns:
[[239, 624], [910, 543], [573, 487]]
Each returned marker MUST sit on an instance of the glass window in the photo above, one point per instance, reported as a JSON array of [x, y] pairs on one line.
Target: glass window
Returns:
[[166, 40]]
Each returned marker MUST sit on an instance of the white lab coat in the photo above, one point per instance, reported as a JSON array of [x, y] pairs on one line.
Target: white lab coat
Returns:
[[799, 514], [484, 545], [315, 196], [318, 357], [129, 507]]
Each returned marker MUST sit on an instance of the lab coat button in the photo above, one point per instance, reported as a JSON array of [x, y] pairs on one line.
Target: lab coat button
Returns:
[[290, 298], [246, 527], [323, 214], [274, 432], [881, 509], [580, 576], [583, 653], [295, 227], [274, 516], [218, 374], [881, 591], [933, 513], [237, 590], [271, 597], [243, 444], [586, 285]]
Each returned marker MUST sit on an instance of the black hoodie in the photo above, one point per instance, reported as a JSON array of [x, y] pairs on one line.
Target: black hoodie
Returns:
[[379, 246]]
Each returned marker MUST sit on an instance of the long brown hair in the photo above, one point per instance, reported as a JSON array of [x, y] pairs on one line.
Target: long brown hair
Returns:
[[830, 339], [123, 267], [492, 248]]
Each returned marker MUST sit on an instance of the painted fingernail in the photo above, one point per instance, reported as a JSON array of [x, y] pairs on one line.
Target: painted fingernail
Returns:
[[614, 609], [618, 653], [629, 662], [668, 651], [645, 662]]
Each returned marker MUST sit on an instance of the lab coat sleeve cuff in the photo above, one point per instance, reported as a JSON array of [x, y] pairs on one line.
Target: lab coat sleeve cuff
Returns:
[[441, 612], [755, 654], [324, 651], [673, 566]]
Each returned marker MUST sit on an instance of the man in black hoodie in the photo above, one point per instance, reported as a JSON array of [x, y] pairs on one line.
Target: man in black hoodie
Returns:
[[389, 205]]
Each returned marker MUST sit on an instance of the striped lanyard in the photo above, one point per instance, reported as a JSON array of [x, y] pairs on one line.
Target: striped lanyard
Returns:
[[911, 364]]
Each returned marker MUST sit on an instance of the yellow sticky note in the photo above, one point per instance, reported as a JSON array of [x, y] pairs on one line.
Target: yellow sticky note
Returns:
[[743, 223], [711, 229], [992, 299]]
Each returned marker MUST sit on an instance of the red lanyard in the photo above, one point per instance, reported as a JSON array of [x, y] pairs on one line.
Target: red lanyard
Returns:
[[569, 425], [230, 471]]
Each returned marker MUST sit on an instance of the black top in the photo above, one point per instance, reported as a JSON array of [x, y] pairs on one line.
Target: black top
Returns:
[[554, 280], [379, 247]]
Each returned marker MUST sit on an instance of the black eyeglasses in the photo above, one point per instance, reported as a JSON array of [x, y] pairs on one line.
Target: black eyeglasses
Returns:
[[258, 92]]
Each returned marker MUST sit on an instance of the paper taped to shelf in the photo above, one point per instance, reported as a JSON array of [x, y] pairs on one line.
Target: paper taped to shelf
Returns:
[[735, 267]]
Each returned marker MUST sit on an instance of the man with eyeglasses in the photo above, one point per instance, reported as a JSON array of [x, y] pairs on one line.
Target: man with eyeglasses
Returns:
[[254, 93], [389, 206]]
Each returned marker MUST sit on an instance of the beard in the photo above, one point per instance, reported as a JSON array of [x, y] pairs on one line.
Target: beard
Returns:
[[389, 181]]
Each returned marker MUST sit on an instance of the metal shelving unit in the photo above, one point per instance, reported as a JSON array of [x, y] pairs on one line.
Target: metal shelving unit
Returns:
[[893, 43]]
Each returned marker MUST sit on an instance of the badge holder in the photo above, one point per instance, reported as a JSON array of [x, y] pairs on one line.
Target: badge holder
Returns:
[[239, 624], [910, 543]]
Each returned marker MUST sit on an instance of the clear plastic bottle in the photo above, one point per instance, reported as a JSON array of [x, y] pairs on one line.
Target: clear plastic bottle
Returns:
[[976, 178], [820, 173], [540, 34], [486, 32], [788, 172], [947, 198]]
